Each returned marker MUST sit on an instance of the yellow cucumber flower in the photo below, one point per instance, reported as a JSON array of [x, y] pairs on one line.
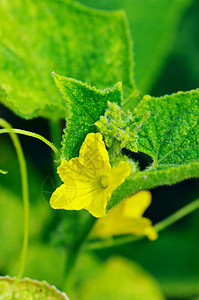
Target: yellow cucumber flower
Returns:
[[88, 179], [126, 218]]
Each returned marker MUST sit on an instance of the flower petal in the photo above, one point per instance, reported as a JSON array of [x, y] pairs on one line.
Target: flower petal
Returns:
[[110, 226], [93, 154], [135, 205], [74, 196], [118, 175], [62, 197], [79, 188], [125, 218], [73, 170], [97, 208]]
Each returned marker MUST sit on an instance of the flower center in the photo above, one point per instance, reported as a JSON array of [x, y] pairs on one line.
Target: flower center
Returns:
[[104, 181]]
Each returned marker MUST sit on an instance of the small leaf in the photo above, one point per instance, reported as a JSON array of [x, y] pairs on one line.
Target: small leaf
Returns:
[[170, 135], [85, 106], [115, 126], [76, 41], [29, 289], [119, 127]]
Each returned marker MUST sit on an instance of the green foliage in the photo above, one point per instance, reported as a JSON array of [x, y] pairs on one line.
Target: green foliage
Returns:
[[85, 106], [30, 289], [10, 222], [170, 135], [113, 279], [153, 25], [178, 272], [43, 262], [150, 178], [168, 131], [11, 225], [95, 47], [116, 126], [65, 36]]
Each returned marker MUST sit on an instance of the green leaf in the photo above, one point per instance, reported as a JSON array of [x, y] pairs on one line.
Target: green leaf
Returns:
[[41, 36], [153, 25], [117, 278], [30, 289], [85, 106], [170, 135]]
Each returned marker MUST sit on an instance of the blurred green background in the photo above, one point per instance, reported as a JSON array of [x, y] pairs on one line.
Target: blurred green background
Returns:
[[172, 260]]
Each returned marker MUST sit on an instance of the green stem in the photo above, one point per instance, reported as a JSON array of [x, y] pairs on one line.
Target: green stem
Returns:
[[74, 251], [181, 213], [25, 192], [31, 134]]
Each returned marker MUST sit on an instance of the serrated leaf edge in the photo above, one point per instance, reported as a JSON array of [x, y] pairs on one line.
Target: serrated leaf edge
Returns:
[[29, 280]]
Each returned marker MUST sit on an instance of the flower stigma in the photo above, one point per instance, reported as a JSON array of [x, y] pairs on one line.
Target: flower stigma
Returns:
[[104, 181]]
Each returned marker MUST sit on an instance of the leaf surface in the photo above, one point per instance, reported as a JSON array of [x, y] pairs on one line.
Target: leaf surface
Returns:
[[30, 289], [38, 37], [117, 278], [153, 25], [170, 135], [85, 106]]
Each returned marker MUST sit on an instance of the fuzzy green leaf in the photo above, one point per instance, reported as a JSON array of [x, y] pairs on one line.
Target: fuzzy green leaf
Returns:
[[38, 37], [85, 106], [119, 129], [29, 289], [170, 135], [115, 127]]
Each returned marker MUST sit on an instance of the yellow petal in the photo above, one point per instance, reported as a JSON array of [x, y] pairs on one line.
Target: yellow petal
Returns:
[[73, 170], [74, 196], [93, 154], [125, 218], [97, 208], [80, 181], [62, 197], [151, 233], [135, 205], [118, 175]]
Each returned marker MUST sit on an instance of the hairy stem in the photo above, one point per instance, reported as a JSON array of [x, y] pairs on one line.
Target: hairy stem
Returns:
[[25, 192], [181, 213]]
